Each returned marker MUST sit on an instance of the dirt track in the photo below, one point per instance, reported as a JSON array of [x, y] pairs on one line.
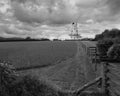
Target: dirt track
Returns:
[[69, 74], [72, 73]]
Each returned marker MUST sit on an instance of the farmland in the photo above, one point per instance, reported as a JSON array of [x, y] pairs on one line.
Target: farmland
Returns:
[[69, 74], [29, 54], [71, 67]]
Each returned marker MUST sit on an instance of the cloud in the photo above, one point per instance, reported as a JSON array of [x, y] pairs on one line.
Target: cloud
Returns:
[[109, 10], [87, 3], [114, 6], [12, 30], [23, 30], [28, 16], [53, 18], [51, 12], [62, 12], [20, 1]]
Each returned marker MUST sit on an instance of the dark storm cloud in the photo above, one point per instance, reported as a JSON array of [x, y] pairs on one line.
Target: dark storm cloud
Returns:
[[49, 14], [114, 6], [20, 1], [28, 16], [24, 15], [110, 11]]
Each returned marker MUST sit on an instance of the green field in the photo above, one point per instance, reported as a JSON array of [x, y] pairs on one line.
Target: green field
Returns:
[[26, 54]]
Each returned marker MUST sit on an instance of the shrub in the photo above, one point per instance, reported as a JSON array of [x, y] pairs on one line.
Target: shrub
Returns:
[[32, 86], [103, 46], [15, 85], [7, 76], [116, 40], [114, 53], [91, 94], [12, 84], [111, 34]]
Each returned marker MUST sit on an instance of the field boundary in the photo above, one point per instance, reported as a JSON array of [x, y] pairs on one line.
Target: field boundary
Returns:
[[111, 78], [33, 67], [109, 72]]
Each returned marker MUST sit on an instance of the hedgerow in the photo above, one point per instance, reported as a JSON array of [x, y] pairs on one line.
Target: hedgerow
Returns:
[[103, 46], [12, 84], [114, 53]]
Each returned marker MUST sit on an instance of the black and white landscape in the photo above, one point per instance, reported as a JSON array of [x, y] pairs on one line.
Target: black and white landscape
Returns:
[[59, 48]]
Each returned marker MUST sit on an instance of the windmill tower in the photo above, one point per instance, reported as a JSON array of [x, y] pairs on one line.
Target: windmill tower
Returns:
[[74, 32]]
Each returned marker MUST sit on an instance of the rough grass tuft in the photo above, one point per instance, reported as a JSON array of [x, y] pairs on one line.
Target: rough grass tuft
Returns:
[[15, 85], [12, 85]]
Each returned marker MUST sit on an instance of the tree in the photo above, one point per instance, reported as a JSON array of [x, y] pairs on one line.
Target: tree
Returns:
[[103, 46], [7, 76], [114, 53], [108, 34], [28, 38]]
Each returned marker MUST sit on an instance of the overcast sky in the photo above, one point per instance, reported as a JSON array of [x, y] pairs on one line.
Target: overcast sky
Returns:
[[53, 18]]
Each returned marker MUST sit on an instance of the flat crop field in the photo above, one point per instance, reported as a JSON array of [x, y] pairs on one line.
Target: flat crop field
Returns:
[[69, 74], [26, 54], [71, 67]]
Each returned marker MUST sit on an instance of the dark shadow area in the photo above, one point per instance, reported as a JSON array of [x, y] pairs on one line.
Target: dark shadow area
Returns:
[[18, 39]]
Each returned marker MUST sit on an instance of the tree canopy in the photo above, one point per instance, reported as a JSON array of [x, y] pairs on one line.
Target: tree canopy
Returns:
[[113, 34]]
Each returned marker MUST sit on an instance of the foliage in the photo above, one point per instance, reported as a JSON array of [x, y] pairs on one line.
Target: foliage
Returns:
[[114, 53], [111, 34], [16, 39], [7, 76], [31, 86], [13, 85], [92, 94], [103, 46], [106, 40]]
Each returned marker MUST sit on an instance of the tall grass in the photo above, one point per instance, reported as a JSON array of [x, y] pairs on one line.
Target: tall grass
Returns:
[[12, 84], [30, 86], [15, 85]]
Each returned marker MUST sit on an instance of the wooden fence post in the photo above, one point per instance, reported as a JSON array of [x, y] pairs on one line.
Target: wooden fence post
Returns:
[[105, 79], [83, 88]]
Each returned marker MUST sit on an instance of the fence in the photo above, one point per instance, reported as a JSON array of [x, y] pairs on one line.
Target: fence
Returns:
[[91, 50], [91, 54], [109, 72], [111, 78]]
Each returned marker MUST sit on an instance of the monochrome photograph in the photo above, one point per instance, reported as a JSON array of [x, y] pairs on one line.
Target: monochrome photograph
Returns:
[[59, 47]]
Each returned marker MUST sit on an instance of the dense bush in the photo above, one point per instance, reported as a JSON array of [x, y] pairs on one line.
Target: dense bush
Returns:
[[31, 86], [116, 40], [111, 34], [114, 53], [92, 94], [103, 46], [7, 76], [105, 40], [12, 84]]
